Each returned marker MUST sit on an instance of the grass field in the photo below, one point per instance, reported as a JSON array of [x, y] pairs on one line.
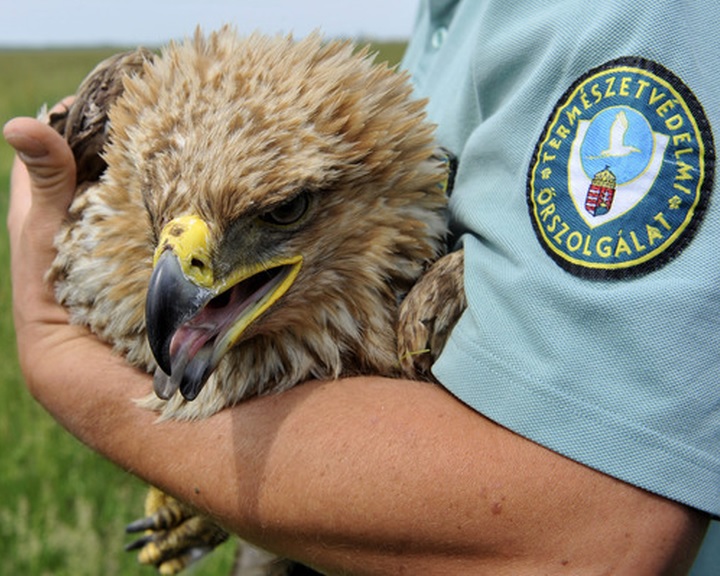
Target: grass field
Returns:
[[62, 508]]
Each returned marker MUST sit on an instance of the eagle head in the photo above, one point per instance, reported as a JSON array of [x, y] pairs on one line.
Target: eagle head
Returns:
[[276, 200], [194, 318]]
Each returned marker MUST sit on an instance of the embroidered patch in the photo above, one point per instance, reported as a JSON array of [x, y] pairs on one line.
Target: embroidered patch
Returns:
[[621, 175]]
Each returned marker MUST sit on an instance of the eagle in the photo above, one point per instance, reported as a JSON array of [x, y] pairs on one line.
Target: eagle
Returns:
[[252, 212]]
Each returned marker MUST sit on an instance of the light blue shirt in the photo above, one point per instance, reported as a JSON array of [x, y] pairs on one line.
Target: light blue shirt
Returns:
[[585, 200]]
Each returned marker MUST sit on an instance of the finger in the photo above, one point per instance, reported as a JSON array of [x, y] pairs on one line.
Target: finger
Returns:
[[64, 104], [19, 196], [61, 108], [44, 188]]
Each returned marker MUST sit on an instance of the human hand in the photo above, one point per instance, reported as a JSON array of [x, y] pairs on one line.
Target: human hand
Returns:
[[41, 189]]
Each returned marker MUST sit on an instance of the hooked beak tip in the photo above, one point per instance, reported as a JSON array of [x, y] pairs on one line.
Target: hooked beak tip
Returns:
[[171, 300]]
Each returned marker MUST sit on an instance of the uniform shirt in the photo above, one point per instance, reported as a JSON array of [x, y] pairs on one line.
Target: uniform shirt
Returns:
[[586, 203]]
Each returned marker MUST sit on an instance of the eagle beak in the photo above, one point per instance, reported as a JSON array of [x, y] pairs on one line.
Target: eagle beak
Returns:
[[172, 299], [193, 319]]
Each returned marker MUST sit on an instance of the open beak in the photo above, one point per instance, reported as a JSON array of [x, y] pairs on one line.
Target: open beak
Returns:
[[193, 320], [172, 300]]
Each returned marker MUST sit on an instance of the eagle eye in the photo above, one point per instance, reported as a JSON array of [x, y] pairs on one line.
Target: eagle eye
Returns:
[[288, 212]]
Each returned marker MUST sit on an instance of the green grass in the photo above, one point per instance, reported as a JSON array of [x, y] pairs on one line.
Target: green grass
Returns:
[[62, 508]]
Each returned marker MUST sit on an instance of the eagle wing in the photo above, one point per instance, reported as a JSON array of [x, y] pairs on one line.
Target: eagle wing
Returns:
[[84, 123], [429, 313]]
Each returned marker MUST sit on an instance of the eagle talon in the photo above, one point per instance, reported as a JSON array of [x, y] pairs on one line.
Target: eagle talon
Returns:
[[148, 523], [139, 543], [176, 535]]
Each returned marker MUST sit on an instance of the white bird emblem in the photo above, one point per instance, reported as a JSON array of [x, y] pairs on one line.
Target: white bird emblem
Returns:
[[616, 145]]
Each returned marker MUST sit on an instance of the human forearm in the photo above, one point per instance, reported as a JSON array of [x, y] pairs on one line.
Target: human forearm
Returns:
[[406, 476], [342, 474]]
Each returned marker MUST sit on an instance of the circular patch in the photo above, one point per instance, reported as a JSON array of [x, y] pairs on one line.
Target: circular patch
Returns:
[[621, 175]]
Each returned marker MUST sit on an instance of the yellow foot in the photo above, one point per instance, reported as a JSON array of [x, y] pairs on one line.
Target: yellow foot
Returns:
[[175, 534]]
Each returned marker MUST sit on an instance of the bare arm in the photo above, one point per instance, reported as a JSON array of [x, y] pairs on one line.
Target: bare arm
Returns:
[[359, 476]]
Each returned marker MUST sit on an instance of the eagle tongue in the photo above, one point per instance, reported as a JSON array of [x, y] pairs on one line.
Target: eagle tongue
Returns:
[[191, 350]]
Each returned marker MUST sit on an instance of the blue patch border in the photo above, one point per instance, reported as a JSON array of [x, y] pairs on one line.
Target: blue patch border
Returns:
[[679, 243]]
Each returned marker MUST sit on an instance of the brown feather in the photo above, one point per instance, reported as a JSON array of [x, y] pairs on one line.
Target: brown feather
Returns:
[[429, 313], [226, 128], [85, 123]]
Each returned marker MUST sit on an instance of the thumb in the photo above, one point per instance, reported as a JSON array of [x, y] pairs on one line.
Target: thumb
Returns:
[[44, 186]]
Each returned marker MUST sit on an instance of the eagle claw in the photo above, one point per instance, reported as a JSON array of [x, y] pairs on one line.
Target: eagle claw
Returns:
[[176, 535]]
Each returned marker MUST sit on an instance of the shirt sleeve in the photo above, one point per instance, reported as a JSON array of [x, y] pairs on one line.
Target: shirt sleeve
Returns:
[[584, 203]]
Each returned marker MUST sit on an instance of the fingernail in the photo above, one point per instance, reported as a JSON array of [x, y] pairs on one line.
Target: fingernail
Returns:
[[27, 148]]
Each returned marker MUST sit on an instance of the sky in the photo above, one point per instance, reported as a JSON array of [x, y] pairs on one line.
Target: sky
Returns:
[[50, 23]]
